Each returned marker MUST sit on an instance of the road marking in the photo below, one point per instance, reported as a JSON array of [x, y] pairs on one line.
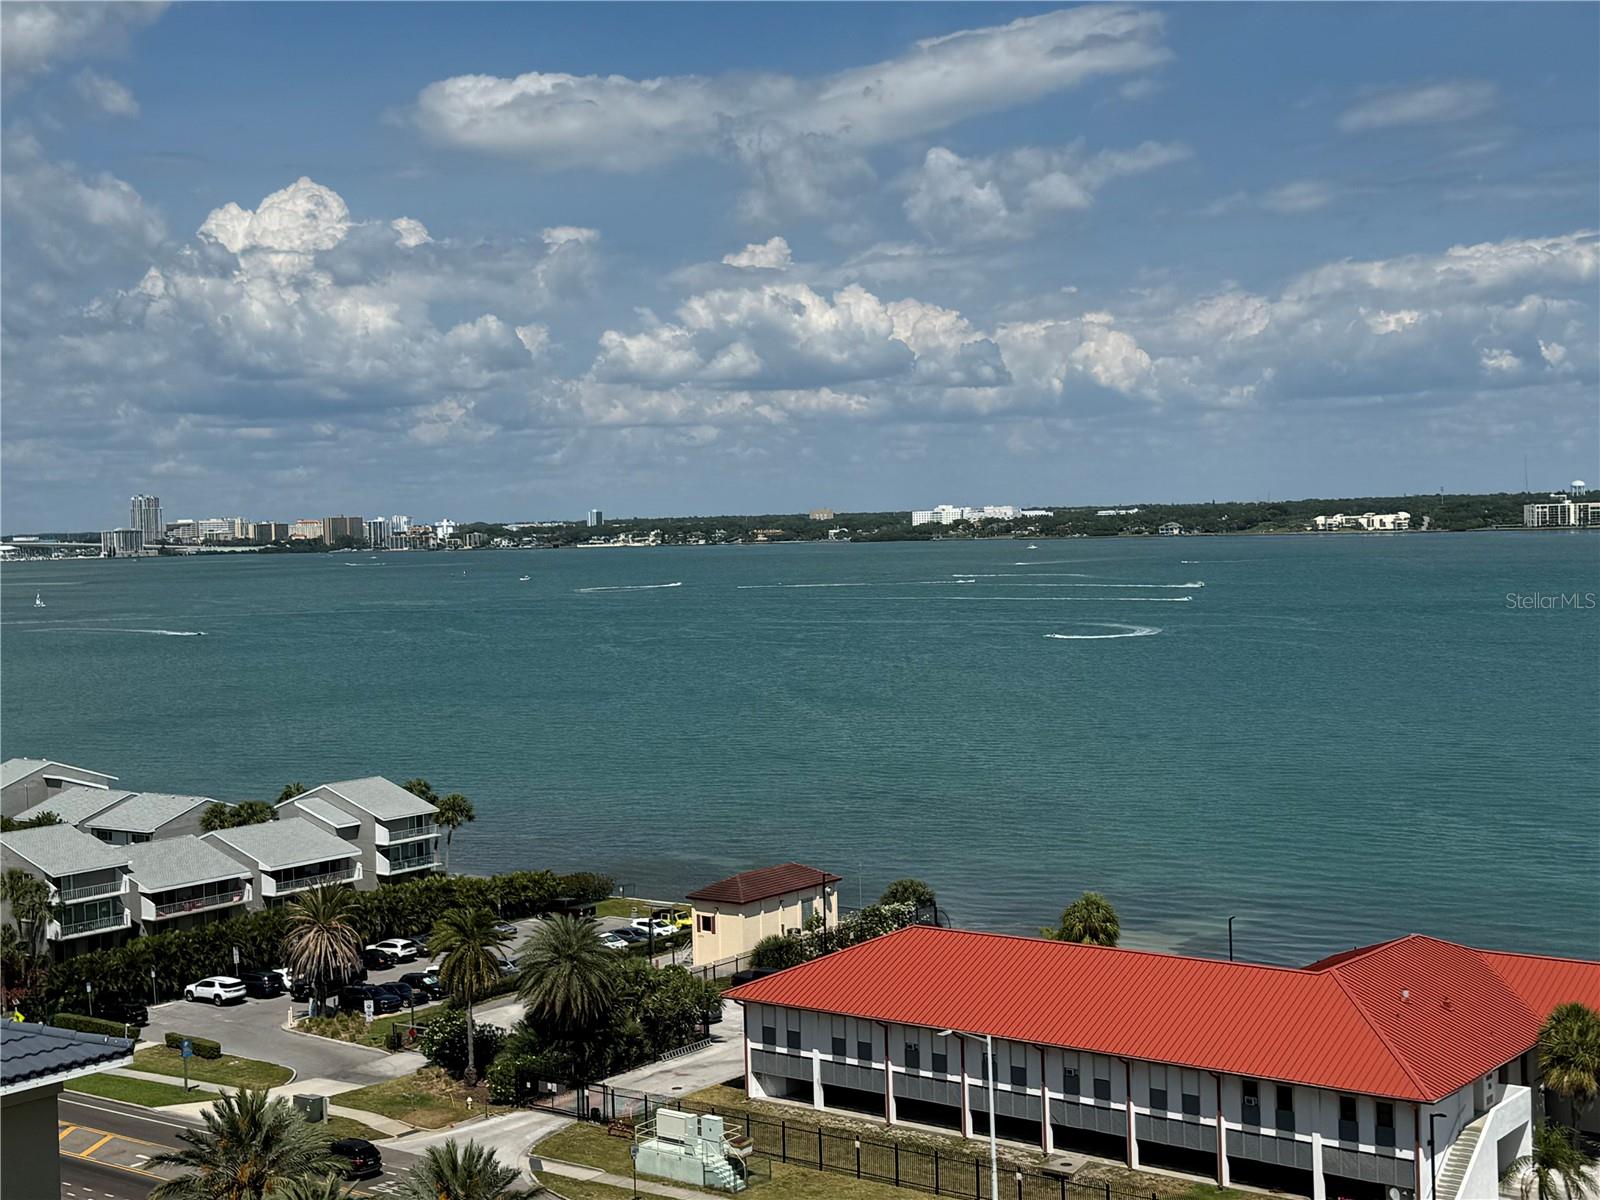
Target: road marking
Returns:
[[97, 1145], [65, 1129]]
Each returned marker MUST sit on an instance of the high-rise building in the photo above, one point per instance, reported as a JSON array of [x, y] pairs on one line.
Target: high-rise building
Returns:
[[336, 529], [596, 518], [306, 529], [144, 514], [115, 543], [399, 522], [264, 533], [445, 528], [378, 534]]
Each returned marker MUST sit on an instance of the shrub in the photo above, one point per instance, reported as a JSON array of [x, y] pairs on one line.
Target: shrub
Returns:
[[202, 1047], [89, 1024], [586, 886], [908, 891], [779, 950], [443, 1042]]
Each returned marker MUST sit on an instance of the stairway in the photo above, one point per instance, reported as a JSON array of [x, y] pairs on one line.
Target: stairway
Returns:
[[721, 1175], [1459, 1158]]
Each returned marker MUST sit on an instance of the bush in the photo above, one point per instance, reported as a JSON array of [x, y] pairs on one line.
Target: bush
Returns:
[[202, 1047], [908, 891], [89, 1024], [779, 950], [586, 886], [443, 1042]]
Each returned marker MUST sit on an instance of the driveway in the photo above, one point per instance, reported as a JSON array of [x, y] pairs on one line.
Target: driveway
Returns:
[[254, 1029], [717, 1063]]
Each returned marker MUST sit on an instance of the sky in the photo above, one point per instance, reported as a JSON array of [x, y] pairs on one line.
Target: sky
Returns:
[[517, 261]]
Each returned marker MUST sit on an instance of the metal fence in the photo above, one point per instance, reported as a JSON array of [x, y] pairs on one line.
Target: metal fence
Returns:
[[802, 1143]]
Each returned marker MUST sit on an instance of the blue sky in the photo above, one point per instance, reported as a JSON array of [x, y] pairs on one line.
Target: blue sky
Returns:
[[513, 261]]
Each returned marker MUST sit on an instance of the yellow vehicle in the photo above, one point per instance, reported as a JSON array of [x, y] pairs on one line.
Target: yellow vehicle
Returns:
[[682, 918]]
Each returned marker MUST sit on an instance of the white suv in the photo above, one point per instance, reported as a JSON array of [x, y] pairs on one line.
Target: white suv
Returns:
[[219, 989], [661, 928], [400, 949]]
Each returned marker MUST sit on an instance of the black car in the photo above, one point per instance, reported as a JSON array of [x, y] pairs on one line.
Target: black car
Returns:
[[305, 987], [263, 985], [354, 998], [377, 960], [424, 983], [129, 1012], [361, 1156], [400, 991], [753, 974]]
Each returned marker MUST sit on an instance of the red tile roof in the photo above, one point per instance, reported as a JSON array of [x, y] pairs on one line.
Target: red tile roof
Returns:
[[750, 886], [1412, 1019]]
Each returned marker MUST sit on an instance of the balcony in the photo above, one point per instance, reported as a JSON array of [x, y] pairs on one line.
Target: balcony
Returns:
[[272, 886], [410, 830], [178, 908], [88, 891], [395, 864], [103, 923]]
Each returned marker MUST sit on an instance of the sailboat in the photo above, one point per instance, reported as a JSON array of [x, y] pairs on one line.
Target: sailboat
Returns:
[[38, 599], [524, 578]]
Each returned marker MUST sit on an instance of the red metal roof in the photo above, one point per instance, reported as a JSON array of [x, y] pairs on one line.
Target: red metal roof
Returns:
[[750, 886], [1413, 1019], [1542, 983]]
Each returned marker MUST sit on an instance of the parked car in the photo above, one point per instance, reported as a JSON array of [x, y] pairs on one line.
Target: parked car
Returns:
[[659, 927], [377, 960], [305, 987], [753, 974], [263, 985], [400, 949], [129, 1012], [400, 991], [632, 936], [354, 998], [425, 983], [505, 929], [508, 966], [219, 989], [612, 941], [682, 919], [361, 1157]]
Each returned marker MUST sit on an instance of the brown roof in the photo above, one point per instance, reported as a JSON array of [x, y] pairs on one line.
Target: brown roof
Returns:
[[749, 886]]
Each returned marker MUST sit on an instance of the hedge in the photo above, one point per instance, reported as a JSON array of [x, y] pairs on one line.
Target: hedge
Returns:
[[203, 1047], [89, 1024]]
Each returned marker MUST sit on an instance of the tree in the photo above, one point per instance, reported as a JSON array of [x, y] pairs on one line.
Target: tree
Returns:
[[443, 1041], [231, 816], [422, 789], [1090, 918], [249, 1147], [779, 950], [452, 812], [291, 790], [566, 977], [471, 947], [322, 941], [23, 945], [11, 825], [908, 891], [456, 1172], [309, 1187], [1569, 1055], [1556, 1170]]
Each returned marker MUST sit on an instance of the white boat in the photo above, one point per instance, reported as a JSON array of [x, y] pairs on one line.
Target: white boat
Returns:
[[38, 600], [1033, 547], [524, 578]]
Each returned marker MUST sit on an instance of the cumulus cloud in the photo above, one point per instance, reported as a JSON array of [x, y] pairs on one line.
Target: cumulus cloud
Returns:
[[770, 255], [34, 38], [105, 96], [1302, 196], [1006, 195], [1425, 104], [570, 235], [409, 233]]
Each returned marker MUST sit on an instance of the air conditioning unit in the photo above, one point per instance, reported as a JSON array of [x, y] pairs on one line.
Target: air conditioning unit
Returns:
[[1252, 1102]]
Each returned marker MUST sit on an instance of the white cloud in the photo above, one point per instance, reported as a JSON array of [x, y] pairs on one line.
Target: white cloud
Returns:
[[534, 338], [409, 233], [1426, 104], [34, 38], [1006, 195], [1553, 353], [570, 235], [1501, 360], [1306, 195], [284, 232], [1382, 322], [770, 255], [618, 123], [1572, 258], [105, 96]]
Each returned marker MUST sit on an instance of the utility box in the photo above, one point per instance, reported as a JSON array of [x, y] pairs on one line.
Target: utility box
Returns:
[[312, 1108]]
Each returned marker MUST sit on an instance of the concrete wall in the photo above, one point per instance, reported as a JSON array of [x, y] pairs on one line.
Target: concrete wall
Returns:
[[24, 793], [28, 1136], [366, 838]]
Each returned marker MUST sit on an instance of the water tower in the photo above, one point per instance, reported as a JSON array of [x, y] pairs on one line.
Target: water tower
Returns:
[[1578, 487]]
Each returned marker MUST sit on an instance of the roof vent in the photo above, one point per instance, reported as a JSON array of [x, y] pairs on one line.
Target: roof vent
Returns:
[[1445, 1002], [1405, 995]]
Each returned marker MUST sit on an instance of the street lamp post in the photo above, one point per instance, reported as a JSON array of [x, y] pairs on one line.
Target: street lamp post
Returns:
[[1433, 1157], [152, 985], [88, 989], [994, 1148], [1230, 939]]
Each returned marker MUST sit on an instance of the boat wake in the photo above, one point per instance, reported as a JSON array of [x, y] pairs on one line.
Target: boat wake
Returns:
[[152, 632], [1127, 631], [766, 587], [632, 587], [1053, 599], [1024, 575]]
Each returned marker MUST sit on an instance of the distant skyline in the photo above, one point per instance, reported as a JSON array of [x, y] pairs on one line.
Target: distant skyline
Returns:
[[501, 261]]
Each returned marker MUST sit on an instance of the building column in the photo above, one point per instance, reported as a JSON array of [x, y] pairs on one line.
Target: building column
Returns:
[[1222, 1139], [1047, 1135], [1127, 1104], [966, 1098], [888, 1077], [1319, 1185], [816, 1078]]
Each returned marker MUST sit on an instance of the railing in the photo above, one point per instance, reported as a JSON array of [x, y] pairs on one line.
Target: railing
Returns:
[[410, 862], [111, 888], [115, 921], [343, 875], [387, 836], [195, 903]]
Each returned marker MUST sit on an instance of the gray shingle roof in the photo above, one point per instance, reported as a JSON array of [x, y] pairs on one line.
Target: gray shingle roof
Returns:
[[331, 813], [31, 1054], [291, 842], [14, 769], [383, 798], [146, 812], [179, 862], [75, 805], [61, 850]]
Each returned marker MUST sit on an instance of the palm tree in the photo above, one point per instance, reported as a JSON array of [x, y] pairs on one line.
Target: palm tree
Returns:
[[249, 1147], [471, 948], [322, 941], [1556, 1170], [24, 941], [1090, 918], [423, 789], [566, 977], [455, 1172], [1569, 1055], [452, 812], [291, 790], [309, 1187]]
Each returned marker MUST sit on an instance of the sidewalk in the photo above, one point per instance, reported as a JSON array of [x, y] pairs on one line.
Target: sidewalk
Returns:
[[509, 1136], [551, 1166], [302, 1087]]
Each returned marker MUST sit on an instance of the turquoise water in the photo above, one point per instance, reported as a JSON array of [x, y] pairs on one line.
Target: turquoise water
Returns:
[[1333, 740]]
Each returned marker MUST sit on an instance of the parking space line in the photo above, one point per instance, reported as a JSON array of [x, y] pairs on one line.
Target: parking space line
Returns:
[[65, 1129], [90, 1150]]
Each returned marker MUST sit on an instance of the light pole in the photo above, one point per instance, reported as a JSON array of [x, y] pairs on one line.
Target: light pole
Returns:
[[1433, 1157], [1230, 939], [994, 1149], [152, 985], [88, 989]]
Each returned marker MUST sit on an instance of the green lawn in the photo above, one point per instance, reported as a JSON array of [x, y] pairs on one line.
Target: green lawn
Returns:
[[345, 1127], [352, 1027], [234, 1072], [631, 906], [430, 1099], [134, 1091]]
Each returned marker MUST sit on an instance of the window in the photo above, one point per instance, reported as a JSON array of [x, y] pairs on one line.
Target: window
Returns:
[[792, 1037], [941, 1063], [1385, 1126], [864, 1051], [983, 1066], [1191, 1104], [769, 1035], [1349, 1130], [913, 1055], [1158, 1099], [707, 922], [1285, 1114], [1069, 1082], [1102, 1088], [1019, 1075], [838, 1046], [805, 911], [1252, 1102]]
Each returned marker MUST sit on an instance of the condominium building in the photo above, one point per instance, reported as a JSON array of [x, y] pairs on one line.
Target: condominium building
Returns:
[[220, 529], [121, 543], [306, 529], [733, 914], [88, 881], [1369, 522], [266, 532], [144, 514], [396, 833], [27, 782], [1401, 1069], [596, 518], [949, 514], [376, 534], [821, 514], [288, 856], [350, 529], [184, 529], [445, 528], [1562, 511], [182, 882]]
